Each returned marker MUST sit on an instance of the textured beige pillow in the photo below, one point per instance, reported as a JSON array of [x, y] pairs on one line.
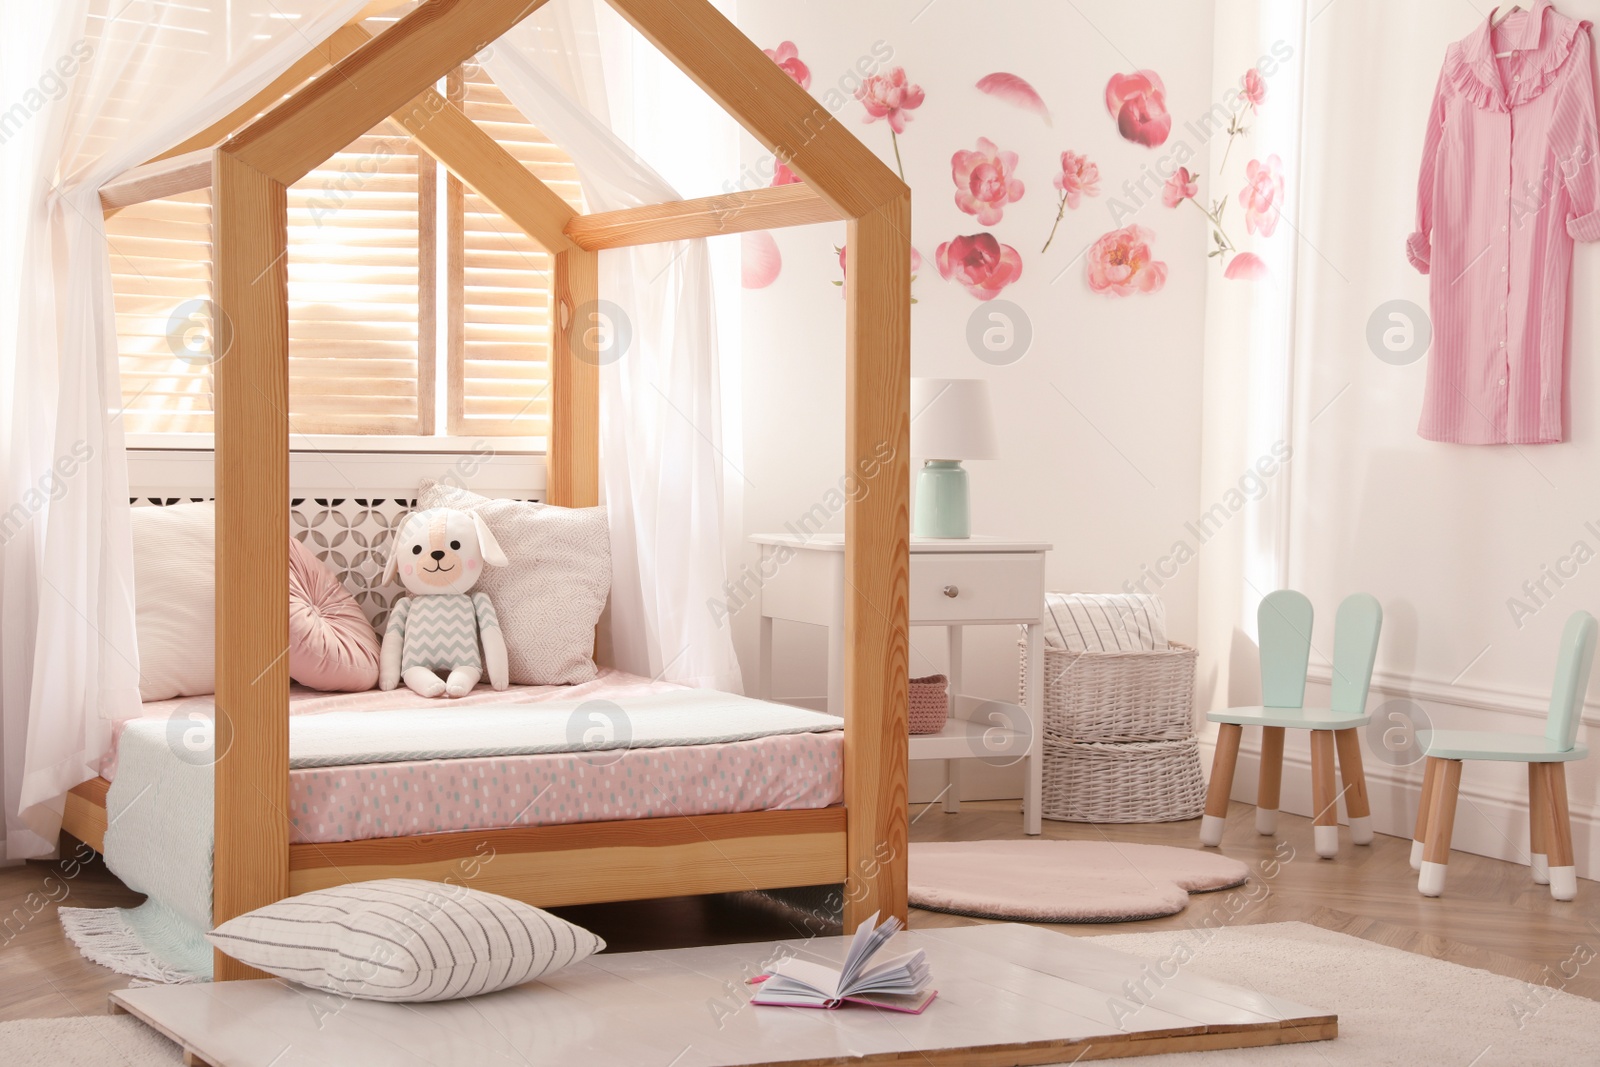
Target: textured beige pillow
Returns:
[[550, 594]]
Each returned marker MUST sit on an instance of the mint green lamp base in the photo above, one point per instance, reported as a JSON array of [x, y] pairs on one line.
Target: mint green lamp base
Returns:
[[942, 501]]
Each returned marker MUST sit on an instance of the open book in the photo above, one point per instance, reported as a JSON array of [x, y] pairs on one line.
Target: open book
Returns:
[[899, 984]]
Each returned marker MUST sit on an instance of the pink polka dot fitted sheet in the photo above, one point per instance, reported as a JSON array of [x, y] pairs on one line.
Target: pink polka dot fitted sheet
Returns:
[[376, 800]]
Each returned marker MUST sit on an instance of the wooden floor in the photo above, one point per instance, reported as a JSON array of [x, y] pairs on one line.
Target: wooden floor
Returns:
[[1492, 916]]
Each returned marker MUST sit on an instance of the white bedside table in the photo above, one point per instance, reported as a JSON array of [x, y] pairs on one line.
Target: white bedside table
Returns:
[[976, 581]]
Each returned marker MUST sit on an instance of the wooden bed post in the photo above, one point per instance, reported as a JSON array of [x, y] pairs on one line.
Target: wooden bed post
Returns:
[[860, 187], [574, 444], [250, 381], [877, 560]]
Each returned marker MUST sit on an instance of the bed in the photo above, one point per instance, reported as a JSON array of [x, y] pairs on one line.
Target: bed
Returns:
[[861, 843]]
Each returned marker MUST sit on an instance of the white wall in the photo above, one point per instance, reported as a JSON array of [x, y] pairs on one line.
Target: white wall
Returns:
[[1111, 476], [1444, 535]]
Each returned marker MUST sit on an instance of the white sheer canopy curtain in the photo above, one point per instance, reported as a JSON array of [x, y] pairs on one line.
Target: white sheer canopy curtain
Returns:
[[1249, 348], [88, 89], [660, 415]]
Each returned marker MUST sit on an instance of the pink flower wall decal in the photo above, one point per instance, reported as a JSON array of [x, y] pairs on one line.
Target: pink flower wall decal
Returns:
[[1121, 263], [1246, 266], [1014, 90], [1184, 185], [916, 265], [985, 181], [1078, 178], [787, 56], [1138, 102], [760, 260], [782, 175], [1262, 196], [1180, 187], [1255, 88], [892, 97], [980, 263]]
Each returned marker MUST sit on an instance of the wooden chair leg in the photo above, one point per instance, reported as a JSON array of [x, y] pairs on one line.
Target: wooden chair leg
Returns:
[[1269, 786], [1222, 767], [1354, 777], [1324, 795], [1538, 824], [1563, 874], [1430, 778], [1441, 822]]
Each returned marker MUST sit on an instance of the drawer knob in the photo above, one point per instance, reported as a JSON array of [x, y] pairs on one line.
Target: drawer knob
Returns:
[[951, 591]]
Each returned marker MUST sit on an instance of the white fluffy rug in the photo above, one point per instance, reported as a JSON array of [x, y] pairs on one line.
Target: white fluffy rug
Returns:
[[1394, 1008], [87, 1041], [1064, 881]]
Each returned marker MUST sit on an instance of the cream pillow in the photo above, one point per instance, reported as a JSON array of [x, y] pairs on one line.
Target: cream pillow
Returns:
[[175, 599], [404, 940], [550, 594]]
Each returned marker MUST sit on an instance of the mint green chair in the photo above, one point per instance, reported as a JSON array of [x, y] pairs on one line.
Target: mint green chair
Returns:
[[1549, 825], [1283, 624]]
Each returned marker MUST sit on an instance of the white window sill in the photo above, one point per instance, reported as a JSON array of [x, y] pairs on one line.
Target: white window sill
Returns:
[[346, 443], [334, 469]]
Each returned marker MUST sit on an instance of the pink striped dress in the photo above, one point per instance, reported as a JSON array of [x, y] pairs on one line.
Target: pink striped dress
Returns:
[[1509, 180]]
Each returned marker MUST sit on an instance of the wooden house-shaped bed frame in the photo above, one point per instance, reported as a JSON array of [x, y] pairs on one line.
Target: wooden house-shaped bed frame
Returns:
[[864, 843]]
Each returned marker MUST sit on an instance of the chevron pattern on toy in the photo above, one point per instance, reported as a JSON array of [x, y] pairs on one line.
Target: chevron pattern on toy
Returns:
[[441, 633]]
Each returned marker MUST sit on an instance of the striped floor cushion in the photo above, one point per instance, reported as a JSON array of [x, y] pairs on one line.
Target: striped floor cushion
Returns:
[[399, 939]]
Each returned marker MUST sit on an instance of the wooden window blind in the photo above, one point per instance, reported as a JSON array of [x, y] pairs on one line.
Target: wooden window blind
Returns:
[[362, 290], [499, 281], [161, 279], [365, 293], [362, 284]]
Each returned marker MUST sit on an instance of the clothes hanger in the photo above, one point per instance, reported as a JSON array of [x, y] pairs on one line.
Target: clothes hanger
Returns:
[[1497, 20]]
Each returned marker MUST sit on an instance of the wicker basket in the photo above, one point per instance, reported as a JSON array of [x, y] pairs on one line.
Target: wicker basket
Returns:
[[1116, 696], [930, 704], [1141, 781]]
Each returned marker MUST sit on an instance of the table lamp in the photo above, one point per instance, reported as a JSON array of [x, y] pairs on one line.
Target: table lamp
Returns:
[[951, 420]]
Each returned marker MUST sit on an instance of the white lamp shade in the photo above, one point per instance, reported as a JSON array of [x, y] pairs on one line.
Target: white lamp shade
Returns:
[[952, 418]]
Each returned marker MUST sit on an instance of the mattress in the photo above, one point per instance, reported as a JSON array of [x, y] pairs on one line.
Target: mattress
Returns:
[[467, 765]]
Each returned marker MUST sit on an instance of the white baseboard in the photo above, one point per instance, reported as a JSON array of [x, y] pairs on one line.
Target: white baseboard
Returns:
[[1489, 821]]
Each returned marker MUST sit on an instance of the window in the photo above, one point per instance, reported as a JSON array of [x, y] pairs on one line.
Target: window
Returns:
[[373, 293], [501, 279]]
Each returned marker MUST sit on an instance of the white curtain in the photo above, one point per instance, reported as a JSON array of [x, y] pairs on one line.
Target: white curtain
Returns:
[[660, 417], [88, 88], [1250, 324]]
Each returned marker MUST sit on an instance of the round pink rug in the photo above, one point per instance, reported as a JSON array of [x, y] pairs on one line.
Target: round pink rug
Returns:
[[1064, 881]]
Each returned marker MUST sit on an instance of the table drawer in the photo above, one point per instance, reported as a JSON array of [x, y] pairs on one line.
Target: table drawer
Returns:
[[967, 587]]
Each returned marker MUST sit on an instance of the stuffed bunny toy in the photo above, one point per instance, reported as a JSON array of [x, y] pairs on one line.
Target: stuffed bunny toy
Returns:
[[441, 628]]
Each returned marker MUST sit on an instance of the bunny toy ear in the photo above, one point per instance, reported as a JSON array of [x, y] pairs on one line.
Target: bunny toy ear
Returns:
[[487, 544], [392, 567]]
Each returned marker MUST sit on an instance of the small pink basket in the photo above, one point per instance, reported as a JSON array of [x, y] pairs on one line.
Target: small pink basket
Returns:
[[930, 704]]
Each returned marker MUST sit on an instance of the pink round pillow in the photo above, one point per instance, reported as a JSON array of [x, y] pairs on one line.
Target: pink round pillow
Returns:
[[332, 646]]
